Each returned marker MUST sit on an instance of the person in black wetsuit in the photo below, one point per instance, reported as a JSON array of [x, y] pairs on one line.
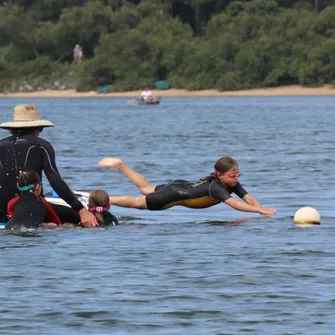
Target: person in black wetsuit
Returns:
[[207, 192], [98, 204], [24, 150], [30, 209]]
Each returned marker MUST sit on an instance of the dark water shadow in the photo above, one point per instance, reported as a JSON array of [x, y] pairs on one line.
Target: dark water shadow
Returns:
[[226, 223], [25, 232]]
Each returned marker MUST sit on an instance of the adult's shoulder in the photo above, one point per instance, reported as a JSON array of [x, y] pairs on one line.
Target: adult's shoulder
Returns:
[[26, 139], [41, 141], [6, 139]]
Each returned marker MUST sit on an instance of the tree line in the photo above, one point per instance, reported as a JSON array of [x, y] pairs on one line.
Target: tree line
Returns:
[[194, 44]]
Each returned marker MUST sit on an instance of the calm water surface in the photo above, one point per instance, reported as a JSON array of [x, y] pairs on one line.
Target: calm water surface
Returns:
[[182, 271]]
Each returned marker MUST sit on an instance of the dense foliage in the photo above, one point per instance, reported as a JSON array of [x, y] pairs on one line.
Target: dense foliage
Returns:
[[195, 44]]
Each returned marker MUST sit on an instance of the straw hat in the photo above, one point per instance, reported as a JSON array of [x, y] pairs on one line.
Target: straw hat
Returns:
[[26, 116]]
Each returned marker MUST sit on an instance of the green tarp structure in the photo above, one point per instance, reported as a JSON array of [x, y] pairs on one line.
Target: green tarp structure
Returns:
[[162, 85], [104, 89]]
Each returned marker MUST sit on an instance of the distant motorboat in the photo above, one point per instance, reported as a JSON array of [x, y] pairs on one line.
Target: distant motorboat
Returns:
[[153, 101]]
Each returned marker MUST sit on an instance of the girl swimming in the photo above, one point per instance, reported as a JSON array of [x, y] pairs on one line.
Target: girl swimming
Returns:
[[209, 191]]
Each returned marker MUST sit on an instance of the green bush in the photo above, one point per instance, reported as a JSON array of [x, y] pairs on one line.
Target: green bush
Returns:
[[231, 81]]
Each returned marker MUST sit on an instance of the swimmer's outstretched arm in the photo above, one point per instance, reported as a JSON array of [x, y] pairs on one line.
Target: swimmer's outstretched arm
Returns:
[[249, 199], [139, 180], [245, 207]]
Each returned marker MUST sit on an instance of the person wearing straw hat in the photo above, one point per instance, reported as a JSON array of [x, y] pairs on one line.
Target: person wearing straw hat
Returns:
[[24, 150]]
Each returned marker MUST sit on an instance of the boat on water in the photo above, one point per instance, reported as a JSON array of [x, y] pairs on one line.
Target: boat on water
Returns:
[[148, 102], [154, 101]]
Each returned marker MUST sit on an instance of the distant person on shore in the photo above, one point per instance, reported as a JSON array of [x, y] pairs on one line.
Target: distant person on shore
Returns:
[[30, 209], [146, 95], [81, 54], [24, 150], [77, 54], [98, 204], [206, 192]]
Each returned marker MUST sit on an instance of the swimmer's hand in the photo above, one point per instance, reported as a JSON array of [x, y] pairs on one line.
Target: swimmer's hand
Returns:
[[267, 212], [114, 163]]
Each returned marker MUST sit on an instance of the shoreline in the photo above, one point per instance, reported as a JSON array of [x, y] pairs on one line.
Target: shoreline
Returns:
[[275, 91]]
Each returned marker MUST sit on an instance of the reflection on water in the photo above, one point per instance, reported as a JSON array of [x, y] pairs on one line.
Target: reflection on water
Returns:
[[307, 225], [213, 271]]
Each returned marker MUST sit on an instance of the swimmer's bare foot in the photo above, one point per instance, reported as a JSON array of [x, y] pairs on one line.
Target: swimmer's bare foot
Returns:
[[114, 163]]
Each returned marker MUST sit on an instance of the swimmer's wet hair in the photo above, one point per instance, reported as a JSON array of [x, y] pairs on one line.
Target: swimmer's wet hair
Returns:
[[99, 198], [222, 165], [28, 177]]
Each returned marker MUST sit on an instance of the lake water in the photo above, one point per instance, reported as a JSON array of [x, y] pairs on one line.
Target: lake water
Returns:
[[182, 271]]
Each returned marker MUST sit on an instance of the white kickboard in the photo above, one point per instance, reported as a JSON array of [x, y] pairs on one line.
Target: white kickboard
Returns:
[[55, 199]]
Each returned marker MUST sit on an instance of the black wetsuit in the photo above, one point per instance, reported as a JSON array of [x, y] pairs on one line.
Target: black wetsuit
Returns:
[[201, 194], [109, 220], [31, 211], [28, 152]]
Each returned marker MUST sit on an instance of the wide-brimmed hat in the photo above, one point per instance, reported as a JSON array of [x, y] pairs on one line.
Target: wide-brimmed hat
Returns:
[[26, 116]]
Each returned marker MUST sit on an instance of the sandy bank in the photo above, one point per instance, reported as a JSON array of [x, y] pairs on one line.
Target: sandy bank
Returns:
[[276, 91]]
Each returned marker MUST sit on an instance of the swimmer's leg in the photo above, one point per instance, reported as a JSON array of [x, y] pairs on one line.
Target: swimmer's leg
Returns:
[[128, 201], [139, 180]]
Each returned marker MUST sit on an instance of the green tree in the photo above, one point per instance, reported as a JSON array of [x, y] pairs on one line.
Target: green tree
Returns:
[[12, 24], [197, 7]]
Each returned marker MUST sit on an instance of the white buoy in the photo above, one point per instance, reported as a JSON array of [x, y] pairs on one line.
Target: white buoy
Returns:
[[307, 215]]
